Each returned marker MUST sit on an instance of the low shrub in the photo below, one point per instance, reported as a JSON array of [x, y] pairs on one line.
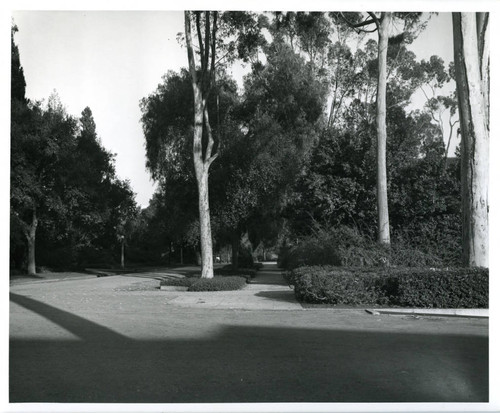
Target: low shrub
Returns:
[[179, 282], [345, 246], [341, 246], [218, 284], [405, 287], [403, 256], [320, 284], [310, 251], [439, 288]]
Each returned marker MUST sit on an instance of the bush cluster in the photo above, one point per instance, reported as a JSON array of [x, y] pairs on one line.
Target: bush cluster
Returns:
[[179, 282], [309, 251], [224, 283], [404, 287], [345, 246], [218, 284], [441, 288]]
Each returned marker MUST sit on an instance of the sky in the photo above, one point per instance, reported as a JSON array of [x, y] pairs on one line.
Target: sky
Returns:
[[110, 60]]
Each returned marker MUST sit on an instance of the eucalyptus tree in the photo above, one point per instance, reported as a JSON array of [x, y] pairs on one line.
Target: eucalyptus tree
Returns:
[[472, 66], [173, 140], [382, 24], [203, 72]]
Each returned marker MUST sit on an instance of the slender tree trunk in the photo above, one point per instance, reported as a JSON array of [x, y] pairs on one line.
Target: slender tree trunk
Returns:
[[382, 205], [31, 238], [182, 256], [202, 160], [123, 255], [470, 39], [450, 135], [235, 249], [207, 264]]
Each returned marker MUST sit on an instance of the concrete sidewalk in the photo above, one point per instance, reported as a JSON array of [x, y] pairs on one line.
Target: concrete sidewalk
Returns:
[[267, 291]]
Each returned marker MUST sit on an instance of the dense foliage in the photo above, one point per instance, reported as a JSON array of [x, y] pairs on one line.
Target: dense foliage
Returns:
[[65, 196], [297, 150], [402, 287], [296, 167], [346, 246]]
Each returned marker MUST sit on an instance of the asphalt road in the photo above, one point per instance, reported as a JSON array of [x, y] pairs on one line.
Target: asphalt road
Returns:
[[98, 340]]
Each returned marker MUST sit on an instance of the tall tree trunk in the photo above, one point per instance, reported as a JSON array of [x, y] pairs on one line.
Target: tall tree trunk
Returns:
[[471, 53], [123, 254], [207, 264], [202, 159], [235, 249], [31, 238], [382, 206]]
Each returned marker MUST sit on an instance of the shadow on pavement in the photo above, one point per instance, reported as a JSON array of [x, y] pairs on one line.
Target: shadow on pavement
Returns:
[[77, 325], [245, 364], [287, 296]]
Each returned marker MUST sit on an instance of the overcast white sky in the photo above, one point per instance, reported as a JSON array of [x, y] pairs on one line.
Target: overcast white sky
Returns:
[[109, 60]]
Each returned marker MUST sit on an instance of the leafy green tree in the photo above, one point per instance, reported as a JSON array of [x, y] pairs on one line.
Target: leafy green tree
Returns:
[[17, 80], [167, 125], [41, 143]]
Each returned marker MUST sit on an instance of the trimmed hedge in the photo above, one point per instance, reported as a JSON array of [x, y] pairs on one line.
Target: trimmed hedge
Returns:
[[403, 287], [179, 282], [331, 285], [443, 288], [224, 283], [218, 284]]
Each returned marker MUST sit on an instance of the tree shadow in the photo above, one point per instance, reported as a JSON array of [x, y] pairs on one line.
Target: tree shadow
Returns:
[[247, 363]]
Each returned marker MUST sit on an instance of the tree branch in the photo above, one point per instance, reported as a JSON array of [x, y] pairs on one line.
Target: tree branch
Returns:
[[200, 40], [376, 20], [207, 45], [189, 45], [358, 25], [214, 34]]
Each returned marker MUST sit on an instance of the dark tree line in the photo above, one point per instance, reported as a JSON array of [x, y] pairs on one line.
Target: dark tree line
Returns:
[[66, 203]]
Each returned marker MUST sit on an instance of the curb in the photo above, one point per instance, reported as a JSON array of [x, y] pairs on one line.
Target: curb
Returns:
[[439, 312]]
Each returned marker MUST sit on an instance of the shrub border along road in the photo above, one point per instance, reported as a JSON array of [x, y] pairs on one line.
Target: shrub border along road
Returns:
[[398, 287], [218, 283]]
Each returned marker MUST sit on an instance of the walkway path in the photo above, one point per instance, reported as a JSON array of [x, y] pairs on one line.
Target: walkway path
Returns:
[[267, 291]]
